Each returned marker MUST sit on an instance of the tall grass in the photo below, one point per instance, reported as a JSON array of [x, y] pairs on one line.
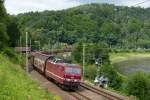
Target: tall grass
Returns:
[[15, 84]]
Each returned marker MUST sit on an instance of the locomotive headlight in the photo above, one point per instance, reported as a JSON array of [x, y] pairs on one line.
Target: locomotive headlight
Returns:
[[68, 79], [75, 80]]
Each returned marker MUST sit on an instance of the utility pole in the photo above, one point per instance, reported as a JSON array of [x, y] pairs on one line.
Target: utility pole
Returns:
[[27, 69], [30, 45], [83, 60], [50, 46], [20, 45], [39, 45], [97, 65]]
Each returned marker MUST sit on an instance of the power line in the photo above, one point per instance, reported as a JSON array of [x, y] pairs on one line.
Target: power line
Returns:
[[141, 2]]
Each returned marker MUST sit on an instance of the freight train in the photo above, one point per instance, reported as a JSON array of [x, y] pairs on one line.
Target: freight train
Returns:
[[65, 74]]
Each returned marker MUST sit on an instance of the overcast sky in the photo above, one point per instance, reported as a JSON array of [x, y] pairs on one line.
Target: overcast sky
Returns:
[[21, 6]]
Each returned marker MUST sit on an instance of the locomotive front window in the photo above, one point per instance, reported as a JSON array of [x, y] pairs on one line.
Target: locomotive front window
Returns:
[[72, 71], [59, 61]]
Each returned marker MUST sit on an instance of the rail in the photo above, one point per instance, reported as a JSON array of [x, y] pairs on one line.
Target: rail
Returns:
[[101, 92], [79, 96]]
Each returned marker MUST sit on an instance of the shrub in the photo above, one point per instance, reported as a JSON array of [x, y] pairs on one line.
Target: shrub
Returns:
[[139, 85], [90, 72], [9, 52], [115, 79], [13, 56]]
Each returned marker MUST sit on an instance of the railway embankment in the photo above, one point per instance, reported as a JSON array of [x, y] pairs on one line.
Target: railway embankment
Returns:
[[15, 84]]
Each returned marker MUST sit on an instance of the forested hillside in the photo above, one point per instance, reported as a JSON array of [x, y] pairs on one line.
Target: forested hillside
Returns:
[[115, 26]]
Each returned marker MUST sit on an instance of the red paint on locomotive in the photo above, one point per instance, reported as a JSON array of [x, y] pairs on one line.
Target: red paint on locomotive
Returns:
[[63, 73]]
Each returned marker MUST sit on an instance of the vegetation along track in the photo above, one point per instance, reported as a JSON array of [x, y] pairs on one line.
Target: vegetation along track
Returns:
[[107, 95]]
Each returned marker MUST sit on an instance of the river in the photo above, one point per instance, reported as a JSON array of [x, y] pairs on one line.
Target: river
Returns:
[[130, 66]]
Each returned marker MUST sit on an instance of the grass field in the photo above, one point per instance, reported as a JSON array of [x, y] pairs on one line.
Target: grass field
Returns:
[[15, 84]]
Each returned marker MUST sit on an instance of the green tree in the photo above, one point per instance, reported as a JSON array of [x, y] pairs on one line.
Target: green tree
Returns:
[[3, 25], [92, 52], [3, 14], [139, 85], [134, 27], [3, 36], [13, 32], [110, 32], [115, 80]]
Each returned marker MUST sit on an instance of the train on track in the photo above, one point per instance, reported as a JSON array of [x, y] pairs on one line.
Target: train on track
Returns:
[[65, 74]]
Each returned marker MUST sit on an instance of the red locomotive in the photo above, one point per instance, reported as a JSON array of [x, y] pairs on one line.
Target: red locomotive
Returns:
[[67, 75]]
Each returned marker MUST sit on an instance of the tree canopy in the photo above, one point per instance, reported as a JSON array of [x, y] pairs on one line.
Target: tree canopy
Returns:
[[117, 26], [9, 30]]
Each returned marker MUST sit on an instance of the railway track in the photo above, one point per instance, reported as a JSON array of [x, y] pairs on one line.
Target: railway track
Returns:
[[105, 94], [79, 96], [100, 94]]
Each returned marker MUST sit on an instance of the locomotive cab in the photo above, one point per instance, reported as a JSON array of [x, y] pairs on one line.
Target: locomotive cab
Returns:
[[72, 75]]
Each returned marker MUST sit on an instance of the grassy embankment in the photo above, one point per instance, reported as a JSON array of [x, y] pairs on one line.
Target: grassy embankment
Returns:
[[15, 84]]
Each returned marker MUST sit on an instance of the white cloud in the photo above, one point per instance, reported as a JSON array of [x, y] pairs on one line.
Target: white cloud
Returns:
[[20, 6], [134, 2]]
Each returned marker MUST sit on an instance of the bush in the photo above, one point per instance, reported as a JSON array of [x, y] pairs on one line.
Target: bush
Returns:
[[139, 85], [90, 72], [13, 56], [115, 79], [9, 52]]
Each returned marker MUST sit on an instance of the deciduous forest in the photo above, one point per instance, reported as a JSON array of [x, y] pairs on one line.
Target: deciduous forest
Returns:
[[115, 26]]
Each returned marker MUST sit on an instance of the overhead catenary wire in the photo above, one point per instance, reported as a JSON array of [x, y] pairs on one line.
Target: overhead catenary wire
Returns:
[[141, 3]]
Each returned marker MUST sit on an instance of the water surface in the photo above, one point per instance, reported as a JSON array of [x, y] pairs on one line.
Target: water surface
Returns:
[[130, 66]]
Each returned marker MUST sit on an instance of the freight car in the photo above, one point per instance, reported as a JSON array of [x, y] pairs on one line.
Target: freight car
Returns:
[[66, 75]]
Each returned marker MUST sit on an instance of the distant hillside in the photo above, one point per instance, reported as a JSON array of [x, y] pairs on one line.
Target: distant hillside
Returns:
[[115, 26]]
